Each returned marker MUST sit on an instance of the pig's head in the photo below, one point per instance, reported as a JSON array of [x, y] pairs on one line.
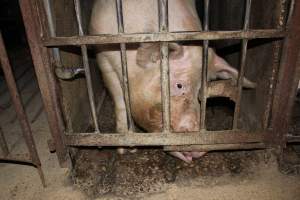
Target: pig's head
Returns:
[[185, 64], [185, 81]]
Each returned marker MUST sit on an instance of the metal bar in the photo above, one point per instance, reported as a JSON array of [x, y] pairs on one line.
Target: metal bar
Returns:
[[125, 83], [286, 87], [293, 138], [56, 53], [291, 11], [86, 66], [158, 139], [207, 147], [204, 67], [164, 64], [162, 37], [242, 68], [3, 143], [12, 87], [47, 83], [277, 48]]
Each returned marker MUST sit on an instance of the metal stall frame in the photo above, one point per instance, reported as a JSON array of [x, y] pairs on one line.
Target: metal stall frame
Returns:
[[34, 23], [31, 158], [273, 135]]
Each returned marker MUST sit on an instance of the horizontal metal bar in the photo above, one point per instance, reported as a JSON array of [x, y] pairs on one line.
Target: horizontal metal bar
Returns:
[[162, 37], [158, 139], [293, 138], [215, 147]]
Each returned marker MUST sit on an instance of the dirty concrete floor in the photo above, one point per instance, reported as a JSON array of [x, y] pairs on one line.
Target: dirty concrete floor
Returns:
[[230, 175]]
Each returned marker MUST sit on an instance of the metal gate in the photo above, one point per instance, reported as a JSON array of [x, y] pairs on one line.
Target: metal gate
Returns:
[[280, 95], [32, 158]]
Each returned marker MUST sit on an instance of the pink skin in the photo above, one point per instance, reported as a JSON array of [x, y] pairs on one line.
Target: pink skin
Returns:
[[143, 63]]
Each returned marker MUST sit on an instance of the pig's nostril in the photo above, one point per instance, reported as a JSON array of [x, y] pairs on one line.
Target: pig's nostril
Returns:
[[179, 85]]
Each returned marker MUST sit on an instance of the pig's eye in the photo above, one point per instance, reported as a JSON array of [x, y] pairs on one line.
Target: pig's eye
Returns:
[[179, 85]]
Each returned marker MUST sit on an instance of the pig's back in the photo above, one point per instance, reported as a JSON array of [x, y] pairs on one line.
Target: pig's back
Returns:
[[138, 15], [142, 16]]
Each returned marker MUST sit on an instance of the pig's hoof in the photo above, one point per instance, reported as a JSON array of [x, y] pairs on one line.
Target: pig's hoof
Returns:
[[133, 150], [121, 151]]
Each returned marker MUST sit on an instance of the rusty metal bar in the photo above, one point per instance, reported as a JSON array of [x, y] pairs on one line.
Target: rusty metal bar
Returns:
[[275, 67], [48, 10], [242, 68], [291, 11], [3, 144], [162, 37], [164, 64], [158, 139], [286, 87], [209, 147], [12, 87], [34, 20], [86, 66], [204, 67], [277, 46], [125, 85], [293, 138]]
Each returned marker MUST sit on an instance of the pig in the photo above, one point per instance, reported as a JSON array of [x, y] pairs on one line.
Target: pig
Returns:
[[143, 60]]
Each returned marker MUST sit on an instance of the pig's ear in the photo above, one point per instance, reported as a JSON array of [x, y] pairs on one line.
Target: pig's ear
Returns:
[[175, 51], [223, 70], [148, 54]]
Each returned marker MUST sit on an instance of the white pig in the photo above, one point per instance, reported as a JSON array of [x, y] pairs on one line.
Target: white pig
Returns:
[[185, 63]]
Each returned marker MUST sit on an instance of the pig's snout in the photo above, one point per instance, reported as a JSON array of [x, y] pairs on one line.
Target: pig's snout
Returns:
[[187, 123]]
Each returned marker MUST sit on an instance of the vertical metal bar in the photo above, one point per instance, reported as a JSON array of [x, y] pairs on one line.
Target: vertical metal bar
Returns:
[[56, 54], [86, 66], [242, 68], [164, 63], [33, 20], [277, 48], [3, 144], [125, 85], [285, 91], [204, 67], [12, 87]]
